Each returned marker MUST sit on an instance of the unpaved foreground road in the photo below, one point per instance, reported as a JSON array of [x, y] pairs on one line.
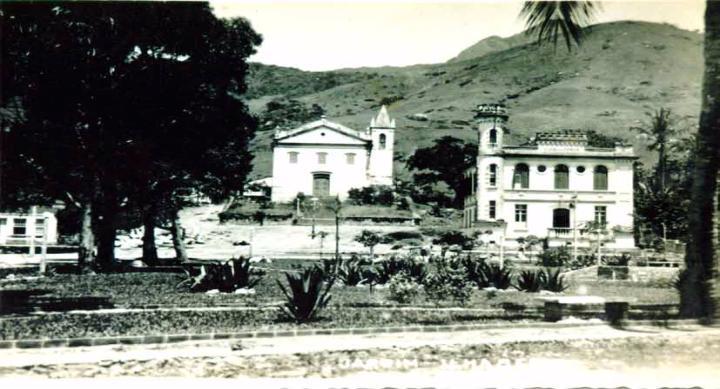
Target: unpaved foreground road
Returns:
[[592, 356]]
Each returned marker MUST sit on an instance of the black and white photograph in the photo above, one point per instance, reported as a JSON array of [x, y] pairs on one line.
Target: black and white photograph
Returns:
[[360, 194]]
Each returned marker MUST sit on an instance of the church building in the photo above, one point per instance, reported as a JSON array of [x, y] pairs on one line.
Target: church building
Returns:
[[557, 188], [323, 158]]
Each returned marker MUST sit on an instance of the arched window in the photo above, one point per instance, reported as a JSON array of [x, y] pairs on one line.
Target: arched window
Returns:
[[492, 175], [600, 178], [493, 137], [383, 141], [562, 179], [521, 178]]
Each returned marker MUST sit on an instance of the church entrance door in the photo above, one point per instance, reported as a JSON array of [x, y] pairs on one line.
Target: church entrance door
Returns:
[[321, 184]]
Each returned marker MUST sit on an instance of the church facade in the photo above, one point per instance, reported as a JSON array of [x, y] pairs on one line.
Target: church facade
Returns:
[[327, 159], [557, 188]]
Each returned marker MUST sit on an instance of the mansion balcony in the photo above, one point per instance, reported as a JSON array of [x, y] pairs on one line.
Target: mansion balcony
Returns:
[[562, 233]]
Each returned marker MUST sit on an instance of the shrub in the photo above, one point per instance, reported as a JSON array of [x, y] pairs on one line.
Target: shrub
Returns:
[[372, 195], [309, 293], [621, 260], [226, 276], [403, 289], [555, 256], [581, 261], [414, 269], [455, 237], [448, 280], [396, 236], [500, 278], [554, 281], [530, 281]]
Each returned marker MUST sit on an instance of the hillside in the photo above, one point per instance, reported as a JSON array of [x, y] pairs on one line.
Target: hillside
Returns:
[[623, 70]]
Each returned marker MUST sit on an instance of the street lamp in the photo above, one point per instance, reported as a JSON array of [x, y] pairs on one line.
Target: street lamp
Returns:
[[314, 202], [573, 206]]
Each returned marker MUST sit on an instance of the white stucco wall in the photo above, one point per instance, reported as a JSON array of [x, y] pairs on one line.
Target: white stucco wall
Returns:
[[372, 164], [291, 178]]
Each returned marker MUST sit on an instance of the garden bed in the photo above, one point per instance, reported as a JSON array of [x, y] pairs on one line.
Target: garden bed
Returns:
[[133, 290], [160, 322]]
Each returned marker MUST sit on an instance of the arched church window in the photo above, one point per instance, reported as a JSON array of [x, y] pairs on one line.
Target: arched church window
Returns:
[[383, 141]]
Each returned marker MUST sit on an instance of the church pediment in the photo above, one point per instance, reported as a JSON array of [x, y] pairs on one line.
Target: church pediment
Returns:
[[322, 132]]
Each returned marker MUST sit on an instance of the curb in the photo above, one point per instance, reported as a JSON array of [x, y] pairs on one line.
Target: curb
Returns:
[[177, 338]]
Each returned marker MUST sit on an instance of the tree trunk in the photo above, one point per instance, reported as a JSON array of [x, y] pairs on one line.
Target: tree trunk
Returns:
[[696, 297], [150, 255], [106, 225], [178, 236], [662, 167], [86, 251]]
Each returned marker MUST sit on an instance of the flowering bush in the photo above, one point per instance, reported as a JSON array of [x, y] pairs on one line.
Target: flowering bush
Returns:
[[448, 280], [403, 289]]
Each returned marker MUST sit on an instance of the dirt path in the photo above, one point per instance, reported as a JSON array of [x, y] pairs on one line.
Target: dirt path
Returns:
[[597, 355]]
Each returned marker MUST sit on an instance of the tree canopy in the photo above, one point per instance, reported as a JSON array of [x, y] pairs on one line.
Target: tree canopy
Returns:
[[446, 160], [124, 103]]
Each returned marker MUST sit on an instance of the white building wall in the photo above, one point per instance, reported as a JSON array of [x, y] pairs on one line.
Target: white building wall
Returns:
[[289, 179], [31, 231]]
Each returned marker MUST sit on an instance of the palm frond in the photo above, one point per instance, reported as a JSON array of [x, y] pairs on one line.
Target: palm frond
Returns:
[[550, 19]]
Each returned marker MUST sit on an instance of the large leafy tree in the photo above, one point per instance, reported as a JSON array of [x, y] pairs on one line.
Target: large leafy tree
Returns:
[[126, 102], [700, 294], [446, 160]]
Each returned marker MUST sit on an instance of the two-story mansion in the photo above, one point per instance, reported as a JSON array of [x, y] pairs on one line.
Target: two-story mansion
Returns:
[[323, 158], [553, 187]]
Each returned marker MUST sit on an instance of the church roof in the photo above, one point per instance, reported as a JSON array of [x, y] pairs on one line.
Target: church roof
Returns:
[[323, 122], [382, 120]]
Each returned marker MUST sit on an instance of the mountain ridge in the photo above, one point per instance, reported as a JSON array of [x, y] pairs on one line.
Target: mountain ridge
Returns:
[[622, 70]]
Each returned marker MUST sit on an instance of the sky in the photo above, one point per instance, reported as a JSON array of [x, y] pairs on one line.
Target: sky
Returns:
[[326, 35]]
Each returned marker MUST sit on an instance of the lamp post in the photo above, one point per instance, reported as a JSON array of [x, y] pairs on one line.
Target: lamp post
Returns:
[[573, 206], [314, 201], [502, 245]]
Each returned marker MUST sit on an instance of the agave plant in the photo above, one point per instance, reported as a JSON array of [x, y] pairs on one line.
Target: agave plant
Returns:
[[415, 270], [351, 272], [224, 276], [554, 281], [243, 275], [308, 293], [530, 281], [499, 277], [476, 271], [386, 269]]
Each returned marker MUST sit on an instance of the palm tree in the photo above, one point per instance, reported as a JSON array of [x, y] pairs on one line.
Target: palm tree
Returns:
[[700, 294], [659, 132]]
